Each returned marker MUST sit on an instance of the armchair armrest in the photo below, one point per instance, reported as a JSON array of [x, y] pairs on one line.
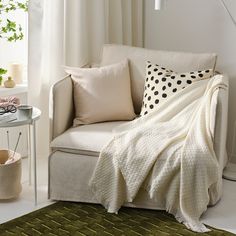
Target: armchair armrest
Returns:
[[61, 107], [219, 111]]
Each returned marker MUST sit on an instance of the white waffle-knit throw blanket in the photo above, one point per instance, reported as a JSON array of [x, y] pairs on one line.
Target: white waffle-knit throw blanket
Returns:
[[168, 152]]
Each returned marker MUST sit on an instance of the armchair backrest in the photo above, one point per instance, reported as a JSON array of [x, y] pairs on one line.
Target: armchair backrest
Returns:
[[176, 61]]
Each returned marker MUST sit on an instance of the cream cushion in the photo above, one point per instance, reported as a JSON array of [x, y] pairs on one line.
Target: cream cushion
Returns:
[[102, 94], [86, 139], [177, 61]]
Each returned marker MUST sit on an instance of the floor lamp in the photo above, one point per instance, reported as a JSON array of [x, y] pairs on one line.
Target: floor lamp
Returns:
[[160, 4], [230, 170]]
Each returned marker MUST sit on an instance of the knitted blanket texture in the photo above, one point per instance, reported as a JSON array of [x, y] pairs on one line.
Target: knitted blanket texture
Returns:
[[169, 153]]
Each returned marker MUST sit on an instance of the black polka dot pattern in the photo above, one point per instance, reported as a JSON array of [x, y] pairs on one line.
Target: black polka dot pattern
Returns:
[[162, 83]]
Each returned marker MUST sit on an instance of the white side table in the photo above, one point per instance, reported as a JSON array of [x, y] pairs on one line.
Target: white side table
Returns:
[[32, 143]]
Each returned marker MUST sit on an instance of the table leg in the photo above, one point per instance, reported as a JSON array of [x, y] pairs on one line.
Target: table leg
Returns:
[[35, 162], [29, 154]]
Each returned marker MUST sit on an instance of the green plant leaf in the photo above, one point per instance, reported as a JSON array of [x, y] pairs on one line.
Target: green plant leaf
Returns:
[[9, 29], [2, 71]]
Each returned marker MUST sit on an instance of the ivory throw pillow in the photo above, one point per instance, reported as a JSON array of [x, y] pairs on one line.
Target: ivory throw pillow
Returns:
[[161, 83], [102, 94]]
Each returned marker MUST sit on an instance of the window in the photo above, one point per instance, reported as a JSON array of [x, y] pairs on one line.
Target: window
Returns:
[[15, 51]]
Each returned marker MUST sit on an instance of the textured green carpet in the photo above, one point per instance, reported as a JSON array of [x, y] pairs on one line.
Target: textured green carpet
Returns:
[[78, 219]]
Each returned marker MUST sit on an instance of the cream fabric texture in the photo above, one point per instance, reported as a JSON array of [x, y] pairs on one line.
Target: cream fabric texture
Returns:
[[63, 185], [102, 94], [66, 187], [90, 138], [177, 132], [54, 42], [176, 61]]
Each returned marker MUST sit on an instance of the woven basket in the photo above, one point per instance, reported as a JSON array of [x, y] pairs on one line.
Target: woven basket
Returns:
[[10, 175]]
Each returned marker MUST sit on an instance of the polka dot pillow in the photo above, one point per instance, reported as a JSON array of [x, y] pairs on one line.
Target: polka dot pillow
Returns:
[[162, 83]]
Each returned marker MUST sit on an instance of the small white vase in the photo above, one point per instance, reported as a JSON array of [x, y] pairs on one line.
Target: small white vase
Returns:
[[9, 83]]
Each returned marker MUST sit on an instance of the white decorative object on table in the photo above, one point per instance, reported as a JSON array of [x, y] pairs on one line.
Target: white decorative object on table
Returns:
[[16, 72], [24, 112], [9, 83], [31, 122]]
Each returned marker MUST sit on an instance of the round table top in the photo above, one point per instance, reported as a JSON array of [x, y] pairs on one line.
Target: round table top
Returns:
[[35, 116]]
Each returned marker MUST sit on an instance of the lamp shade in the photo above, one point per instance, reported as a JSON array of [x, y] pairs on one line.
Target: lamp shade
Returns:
[[159, 4]]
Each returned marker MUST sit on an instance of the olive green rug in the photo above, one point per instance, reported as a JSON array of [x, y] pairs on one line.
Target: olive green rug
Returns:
[[79, 219]]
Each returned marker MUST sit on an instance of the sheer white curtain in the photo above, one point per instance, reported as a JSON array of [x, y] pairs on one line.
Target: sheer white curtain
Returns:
[[72, 32]]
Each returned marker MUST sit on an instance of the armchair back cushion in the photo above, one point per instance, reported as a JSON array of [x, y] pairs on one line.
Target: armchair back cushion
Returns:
[[176, 61]]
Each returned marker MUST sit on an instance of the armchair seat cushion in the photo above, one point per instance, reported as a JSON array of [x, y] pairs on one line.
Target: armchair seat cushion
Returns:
[[85, 139]]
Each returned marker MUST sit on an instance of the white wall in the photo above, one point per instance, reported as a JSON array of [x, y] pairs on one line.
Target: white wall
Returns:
[[197, 26]]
